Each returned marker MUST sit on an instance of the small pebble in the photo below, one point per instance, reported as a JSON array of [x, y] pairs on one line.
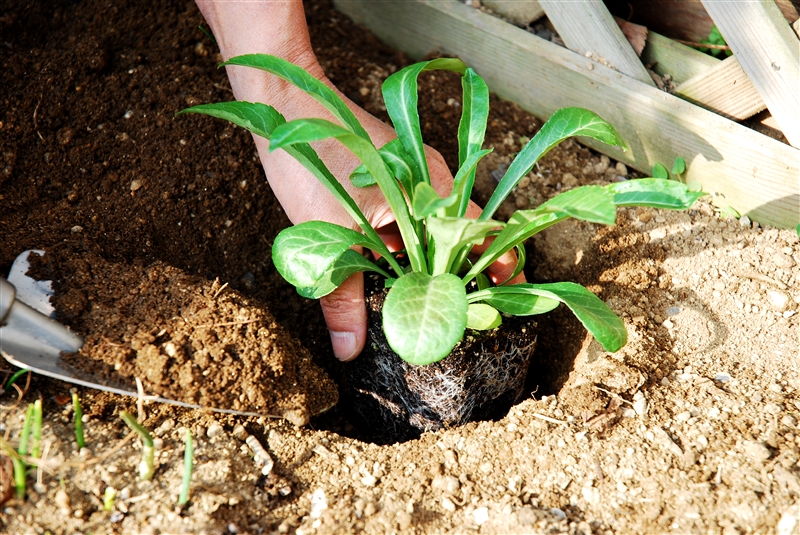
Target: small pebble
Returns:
[[369, 480], [778, 301], [319, 502], [789, 421], [756, 451], [744, 221], [448, 484], [782, 260], [448, 505], [62, 501], [214, 430], [239, 432], [640, 406], [622, 170], [602, 165], [481, 515], [136, 184]]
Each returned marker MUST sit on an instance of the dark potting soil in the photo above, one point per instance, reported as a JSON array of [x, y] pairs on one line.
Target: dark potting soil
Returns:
[[391, 400], [96, 170]]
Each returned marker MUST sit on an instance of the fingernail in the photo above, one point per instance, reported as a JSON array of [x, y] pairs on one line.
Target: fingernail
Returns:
[[344, 345]]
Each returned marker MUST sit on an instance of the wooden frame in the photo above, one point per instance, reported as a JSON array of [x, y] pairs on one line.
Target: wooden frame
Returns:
[[756, 175]]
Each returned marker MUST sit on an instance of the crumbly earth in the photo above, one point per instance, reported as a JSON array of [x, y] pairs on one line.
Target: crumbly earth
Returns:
[[692, 428]]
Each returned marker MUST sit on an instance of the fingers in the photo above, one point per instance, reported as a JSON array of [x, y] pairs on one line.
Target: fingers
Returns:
[[346, 316]]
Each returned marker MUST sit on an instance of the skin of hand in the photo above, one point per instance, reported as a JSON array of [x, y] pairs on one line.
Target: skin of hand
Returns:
[[279, 28]]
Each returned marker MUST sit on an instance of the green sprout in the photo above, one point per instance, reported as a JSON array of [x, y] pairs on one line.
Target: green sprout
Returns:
[[188, 459], [13, 378], [719, 45], [146, 469], [109, 496], [78, 416], [37, 429], [435, 291], [20, 467]]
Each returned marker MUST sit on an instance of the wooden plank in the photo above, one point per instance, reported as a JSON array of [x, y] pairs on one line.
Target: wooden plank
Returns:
[[758, 176], [724, 89], [520, 12], [587, 28], [768, 51], [681, 62]]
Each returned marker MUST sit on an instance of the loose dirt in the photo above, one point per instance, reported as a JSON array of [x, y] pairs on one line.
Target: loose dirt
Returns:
[[692, 427]]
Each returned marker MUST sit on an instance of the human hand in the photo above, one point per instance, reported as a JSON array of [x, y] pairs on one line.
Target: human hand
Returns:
[[279, 28]]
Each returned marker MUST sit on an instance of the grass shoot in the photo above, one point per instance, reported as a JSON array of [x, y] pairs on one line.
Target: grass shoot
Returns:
[[188, 459], [78, 412], [146, 469]]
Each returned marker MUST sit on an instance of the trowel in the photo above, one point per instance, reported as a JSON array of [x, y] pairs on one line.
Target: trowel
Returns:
[[31, 338]]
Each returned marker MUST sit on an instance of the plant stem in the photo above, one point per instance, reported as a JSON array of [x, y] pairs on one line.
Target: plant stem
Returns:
[[78, 414], [188, 458], [146, 469]]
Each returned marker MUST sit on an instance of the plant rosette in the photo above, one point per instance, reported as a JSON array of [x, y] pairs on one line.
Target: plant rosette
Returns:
[[435, 292]]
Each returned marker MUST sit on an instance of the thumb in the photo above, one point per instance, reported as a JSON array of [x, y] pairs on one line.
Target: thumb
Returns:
[[346, 316]]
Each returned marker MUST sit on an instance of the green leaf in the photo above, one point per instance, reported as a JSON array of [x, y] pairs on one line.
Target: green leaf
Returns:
[[308, 130], [427, 202], [424, 317], [262, 120], [679, 166], [305, 81], [396, 158], [654, 193], [510, 301], [797, 229], [727, 212], [361, 178], [471, 131], [305, 252], [564, 123], [258, 118], [450, 234], [659, 171], [588, 203], [400, 97], [593, 313], [482, 317], [348, 263]]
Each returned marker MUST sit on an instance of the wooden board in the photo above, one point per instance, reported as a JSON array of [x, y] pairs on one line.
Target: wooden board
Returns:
[[679, 61], [587, 27], [724, 89], [769, 52], [520, 12], [758, 176]]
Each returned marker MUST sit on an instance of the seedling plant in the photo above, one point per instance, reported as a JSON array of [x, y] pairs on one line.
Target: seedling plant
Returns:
[[146, 466], [436, 291]]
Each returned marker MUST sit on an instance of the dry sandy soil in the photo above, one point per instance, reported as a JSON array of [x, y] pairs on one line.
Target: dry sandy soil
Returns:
[[691, 428]]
